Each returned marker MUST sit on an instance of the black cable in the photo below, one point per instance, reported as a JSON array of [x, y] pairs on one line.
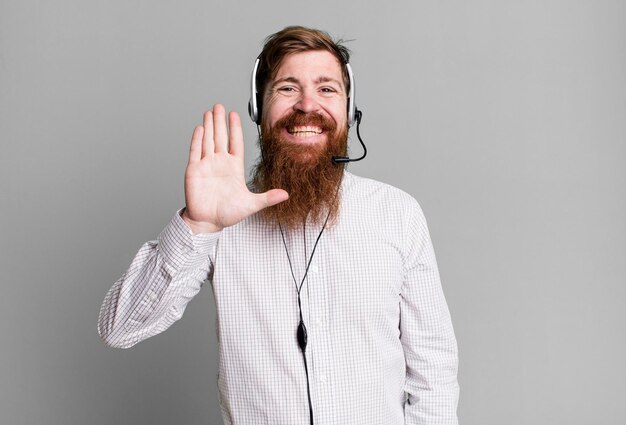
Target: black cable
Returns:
[[302, 341], [301, 332]]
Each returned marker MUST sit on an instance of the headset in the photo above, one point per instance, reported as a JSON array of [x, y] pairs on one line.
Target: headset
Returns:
[[255, 109]]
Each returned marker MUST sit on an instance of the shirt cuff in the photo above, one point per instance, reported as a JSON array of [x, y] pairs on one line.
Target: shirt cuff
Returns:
[[178, 244]]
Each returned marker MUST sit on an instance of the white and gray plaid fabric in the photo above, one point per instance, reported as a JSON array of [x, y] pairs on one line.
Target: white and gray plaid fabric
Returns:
[[381, 345]]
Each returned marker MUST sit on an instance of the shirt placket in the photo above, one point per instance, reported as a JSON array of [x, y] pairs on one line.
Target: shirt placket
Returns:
[[320, 373]]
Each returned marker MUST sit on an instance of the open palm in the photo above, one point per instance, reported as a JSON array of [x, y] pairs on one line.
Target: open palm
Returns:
[[216, 194]]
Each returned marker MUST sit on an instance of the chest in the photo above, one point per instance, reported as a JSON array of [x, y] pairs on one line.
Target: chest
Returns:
[[352, 275]]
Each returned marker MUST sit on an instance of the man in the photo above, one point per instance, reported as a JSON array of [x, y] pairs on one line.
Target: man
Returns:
[[329, 304]]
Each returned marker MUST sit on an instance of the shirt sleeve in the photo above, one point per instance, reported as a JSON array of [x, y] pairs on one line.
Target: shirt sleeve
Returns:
[[153, 293], [426, 334]]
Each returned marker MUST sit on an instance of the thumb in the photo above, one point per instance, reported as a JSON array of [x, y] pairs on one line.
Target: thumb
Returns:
[[271, 197]]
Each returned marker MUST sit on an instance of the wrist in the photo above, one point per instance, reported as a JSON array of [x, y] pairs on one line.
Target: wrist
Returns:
[[197, 227]]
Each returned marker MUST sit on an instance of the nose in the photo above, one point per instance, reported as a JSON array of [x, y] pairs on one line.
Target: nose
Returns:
[[306, 103]]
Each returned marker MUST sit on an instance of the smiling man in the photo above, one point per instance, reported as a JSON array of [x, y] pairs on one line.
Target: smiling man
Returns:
[[330, 309]]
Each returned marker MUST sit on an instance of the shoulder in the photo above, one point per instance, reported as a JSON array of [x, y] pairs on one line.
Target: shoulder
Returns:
[[389, 215], [380, 204], [372, 192]]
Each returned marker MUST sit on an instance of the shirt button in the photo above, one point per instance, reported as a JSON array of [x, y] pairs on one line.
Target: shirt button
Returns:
[[323, 378], [152, 296], [313, 269]]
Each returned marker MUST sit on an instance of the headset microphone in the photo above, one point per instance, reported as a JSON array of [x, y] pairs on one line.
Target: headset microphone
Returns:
[[344, 159]]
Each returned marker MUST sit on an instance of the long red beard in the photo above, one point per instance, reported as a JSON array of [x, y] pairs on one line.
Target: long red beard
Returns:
[[306, 172]]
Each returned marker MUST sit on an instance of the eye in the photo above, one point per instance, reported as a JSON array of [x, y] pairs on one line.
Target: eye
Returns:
[[328, 90], [287, 89]]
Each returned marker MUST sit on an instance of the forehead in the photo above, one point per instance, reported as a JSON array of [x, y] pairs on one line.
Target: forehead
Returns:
[[310, 65]]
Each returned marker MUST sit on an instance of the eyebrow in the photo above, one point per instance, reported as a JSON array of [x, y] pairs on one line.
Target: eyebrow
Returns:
[[322, 79]]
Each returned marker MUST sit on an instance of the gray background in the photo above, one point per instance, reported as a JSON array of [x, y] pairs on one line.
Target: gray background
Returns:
[[505, 119]]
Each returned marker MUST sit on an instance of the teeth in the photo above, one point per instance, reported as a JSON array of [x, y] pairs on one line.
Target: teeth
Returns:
[[305, 131]]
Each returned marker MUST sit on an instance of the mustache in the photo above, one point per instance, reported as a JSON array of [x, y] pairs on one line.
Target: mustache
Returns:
[[299, 118]]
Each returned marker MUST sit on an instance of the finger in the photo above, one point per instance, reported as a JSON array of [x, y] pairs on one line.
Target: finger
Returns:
[[220, 135], [236, 134], [207, 138], [195, 150]]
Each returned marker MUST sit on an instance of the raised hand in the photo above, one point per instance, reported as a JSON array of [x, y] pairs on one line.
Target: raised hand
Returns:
[[216, 194]]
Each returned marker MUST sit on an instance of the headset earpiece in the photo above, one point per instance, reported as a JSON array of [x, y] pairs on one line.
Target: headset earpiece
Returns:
[[351, 93], [254, 105]]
